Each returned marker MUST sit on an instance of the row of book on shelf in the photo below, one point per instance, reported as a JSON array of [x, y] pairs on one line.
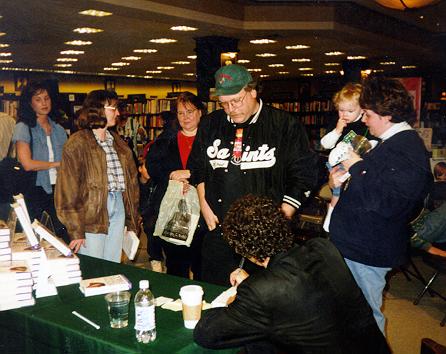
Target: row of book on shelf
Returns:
[[305, 106]]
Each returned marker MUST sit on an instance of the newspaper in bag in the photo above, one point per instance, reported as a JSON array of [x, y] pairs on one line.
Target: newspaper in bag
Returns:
[[178, 215]]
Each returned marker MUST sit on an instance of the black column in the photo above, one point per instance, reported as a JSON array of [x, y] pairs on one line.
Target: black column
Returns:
[[352, 69], [208, 52]]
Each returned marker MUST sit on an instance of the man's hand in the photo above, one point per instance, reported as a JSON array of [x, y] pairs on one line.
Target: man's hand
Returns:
[[209, 217], [75, 245], [288, 210], [237, 276]]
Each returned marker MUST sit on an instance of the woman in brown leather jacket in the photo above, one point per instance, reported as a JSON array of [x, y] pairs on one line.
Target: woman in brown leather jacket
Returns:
[[97, 191]]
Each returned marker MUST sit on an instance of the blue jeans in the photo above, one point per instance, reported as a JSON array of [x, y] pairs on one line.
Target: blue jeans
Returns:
[[371, 280], [108, 246]]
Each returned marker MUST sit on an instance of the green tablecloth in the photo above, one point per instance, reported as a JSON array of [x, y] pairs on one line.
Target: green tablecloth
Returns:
[[50, 327]]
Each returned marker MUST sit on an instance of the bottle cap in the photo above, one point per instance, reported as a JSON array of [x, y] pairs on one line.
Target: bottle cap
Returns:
[[143, 284]]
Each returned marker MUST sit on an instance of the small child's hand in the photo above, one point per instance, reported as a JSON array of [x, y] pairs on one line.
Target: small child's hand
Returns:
[[340, 125]]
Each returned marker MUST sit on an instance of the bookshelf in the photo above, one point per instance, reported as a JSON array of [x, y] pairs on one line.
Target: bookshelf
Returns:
[[315, 114], [433, 116], [9, 104]]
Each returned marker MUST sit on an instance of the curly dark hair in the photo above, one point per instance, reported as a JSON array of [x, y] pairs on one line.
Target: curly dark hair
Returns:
[[255, 227], [25, 111], [92, 114], [387, 97]]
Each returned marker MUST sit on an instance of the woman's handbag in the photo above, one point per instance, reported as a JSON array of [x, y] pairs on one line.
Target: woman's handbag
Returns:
[[179, 214]]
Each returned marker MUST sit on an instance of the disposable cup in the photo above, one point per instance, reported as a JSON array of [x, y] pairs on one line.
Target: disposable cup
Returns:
[[118, 308], [192, 299]]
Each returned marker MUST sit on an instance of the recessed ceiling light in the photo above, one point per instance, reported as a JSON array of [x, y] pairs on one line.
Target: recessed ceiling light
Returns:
[[191, 57], [147, 77], [266, 55], [153, 72], [356, 57], [330, 71], [79, 42], [67, 59], [264, 75], [305, 69], [387, 63], [96, 13], [4, 45], [189, 74], [111, 69], [131, 58], [165, 67], [298, 46], [276, 65], [409, 67], [163, 40], [2, 33], [331, 64], [334, 53], [262, 41], [183, 28], [378, 71], [307, 74], [301, 60], [254, 70], [283, 72], [6, 54], [5, 61], [63, 65], [243, 61], [145, 50], [72, 52], [131, 75], [120, 63], [181, 62], [87, 30]]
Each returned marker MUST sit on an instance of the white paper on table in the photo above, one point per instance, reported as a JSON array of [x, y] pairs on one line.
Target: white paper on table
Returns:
[[222, 299], [161, 300], [176, 305]]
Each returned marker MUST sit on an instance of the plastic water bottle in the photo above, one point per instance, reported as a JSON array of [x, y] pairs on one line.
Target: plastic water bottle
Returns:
[[145, 325]]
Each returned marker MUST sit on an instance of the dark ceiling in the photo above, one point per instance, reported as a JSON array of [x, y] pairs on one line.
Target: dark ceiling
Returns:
[[36, 32]]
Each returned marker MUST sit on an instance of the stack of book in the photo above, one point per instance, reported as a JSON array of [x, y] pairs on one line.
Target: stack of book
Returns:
[[64, 270], [16, 285], [5, 242], [104, 285], [22, 251]]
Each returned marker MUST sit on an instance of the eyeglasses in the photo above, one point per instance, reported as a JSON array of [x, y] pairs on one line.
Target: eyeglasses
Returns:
[[111, 107], [235, 103], [188, 112]]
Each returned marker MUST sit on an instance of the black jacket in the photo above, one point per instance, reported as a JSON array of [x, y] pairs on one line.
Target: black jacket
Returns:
[[305, 301]]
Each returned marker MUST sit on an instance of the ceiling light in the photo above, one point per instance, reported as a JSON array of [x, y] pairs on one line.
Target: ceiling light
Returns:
[[63, 65], [120, 63], [5, 61], [378, 71], [147, 77], [153, 72], [189, 74], [297, 46], [254, 70], [330, 71], [356, 57], [131, 58], [409, 67], [87, 30], [145, 50], [79, 42], [191, 57], [301, 60], [284, 72], [266, 55], [163, 40], [4, 45], [96, 13], [165, 67], [305, 69], [387, 63], [6, 54], [111, 69], [67, 59], [307, 74], [243, 61], [131, 75], [334, 53], [2, 33], [264, 75], [331, 64], [183, 28], [262, 41], [181, 62], [72, 52], [404, 5], [275, 65]]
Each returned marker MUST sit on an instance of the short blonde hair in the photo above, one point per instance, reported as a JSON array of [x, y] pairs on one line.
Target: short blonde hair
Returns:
[[350, 92]]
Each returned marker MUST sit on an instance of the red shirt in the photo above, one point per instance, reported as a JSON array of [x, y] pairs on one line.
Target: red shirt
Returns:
[[185, 147]]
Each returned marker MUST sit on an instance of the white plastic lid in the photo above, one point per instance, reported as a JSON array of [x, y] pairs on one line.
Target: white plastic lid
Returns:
[[143, 284]]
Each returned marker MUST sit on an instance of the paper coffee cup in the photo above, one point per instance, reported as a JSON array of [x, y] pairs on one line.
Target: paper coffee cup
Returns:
[[192, 299]]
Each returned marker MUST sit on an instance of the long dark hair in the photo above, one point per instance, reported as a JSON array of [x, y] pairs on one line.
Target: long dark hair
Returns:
[[92, 115], [25, 111], [188, 97]]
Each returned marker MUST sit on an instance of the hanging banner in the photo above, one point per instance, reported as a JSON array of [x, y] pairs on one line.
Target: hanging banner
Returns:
[[413, 85]]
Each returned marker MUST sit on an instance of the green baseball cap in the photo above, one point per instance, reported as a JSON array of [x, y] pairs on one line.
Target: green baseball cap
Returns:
[[230, 79]]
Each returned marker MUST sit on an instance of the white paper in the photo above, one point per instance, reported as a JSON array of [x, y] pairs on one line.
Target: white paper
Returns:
[[130, 244]]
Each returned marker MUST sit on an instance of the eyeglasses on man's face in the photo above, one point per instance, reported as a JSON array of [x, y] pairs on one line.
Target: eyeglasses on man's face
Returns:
[[187, 112], [234, 103]]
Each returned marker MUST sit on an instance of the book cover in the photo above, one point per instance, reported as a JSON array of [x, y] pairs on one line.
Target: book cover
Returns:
[[14, 270], [104, 285]]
